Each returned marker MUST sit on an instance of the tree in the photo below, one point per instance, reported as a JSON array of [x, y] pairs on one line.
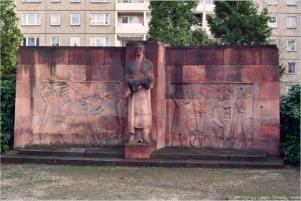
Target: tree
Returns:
[[290, 124], [172, 23], [10, 39], [238, 22]]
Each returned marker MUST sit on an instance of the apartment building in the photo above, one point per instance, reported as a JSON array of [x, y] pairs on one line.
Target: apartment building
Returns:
[[89, 22], [285, 21]]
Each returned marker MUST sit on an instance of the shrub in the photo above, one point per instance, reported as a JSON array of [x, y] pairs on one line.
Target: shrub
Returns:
[[290, 125], [7, 88]]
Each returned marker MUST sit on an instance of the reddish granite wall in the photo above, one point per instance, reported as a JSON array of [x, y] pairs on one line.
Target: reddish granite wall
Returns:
[[223, 97], [69, 96], [216, 97]]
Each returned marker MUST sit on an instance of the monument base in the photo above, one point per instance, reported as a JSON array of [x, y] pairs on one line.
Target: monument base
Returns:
[[138, 150]]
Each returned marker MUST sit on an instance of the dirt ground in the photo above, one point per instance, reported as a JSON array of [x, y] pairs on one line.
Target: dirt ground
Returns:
[[32, 181]]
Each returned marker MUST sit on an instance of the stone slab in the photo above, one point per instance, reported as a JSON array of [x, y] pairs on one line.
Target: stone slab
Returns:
[[138, 151], [12, 157]]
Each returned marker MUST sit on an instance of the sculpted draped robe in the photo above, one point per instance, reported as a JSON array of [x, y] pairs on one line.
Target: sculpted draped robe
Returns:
[[139, 102]]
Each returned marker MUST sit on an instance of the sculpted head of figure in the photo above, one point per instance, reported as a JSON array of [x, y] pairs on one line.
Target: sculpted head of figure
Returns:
[[139, 48]]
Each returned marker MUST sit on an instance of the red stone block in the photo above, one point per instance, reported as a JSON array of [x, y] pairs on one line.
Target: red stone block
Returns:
[[42, 72], [138, 151], [258, 73], [274, 146], [26, 56], [269, 91], [105, 73], [204, 56], [270, 55], [57, 55], [214, 73], [96, 56], [56, 139], [19, 73], [175, 56], [77, 56], [267, 130], [115, 72], [249, 55], [260, 144], [266, 109], [232, 73], [231, 56], [115, 55], [29, 72], [45, 139], [18, 141], [70, 72], [193, 73]]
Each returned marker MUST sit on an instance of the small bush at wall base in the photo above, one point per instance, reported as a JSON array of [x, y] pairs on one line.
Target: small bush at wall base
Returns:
[[7, 90], [290, 125]]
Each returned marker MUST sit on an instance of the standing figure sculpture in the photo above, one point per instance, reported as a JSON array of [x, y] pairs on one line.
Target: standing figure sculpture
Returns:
[[138, 84]]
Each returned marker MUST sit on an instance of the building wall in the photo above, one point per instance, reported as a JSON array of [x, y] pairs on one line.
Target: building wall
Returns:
[[282, 33], [118, 34], [65, 30]]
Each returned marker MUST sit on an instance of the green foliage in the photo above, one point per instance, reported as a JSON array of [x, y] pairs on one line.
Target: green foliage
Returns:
[[200, 37], [172, 23], [10, 39], [238, 22], [281, 70], [7, 111], [290, 125]]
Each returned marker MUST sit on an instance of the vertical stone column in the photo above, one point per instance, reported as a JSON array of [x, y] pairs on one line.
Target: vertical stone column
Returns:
[[155, 52], [23, 101]]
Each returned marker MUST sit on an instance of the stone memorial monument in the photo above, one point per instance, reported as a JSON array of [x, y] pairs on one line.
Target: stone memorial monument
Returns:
[[149, 96]]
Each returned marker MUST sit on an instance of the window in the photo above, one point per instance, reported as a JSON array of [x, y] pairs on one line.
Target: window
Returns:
[[75, 1], [272, 22], [31, 41], [272, 2], [31, 19], [99, 41], [75, 19], [292, 22], [55, 41], [31, 1], [291, 68], [130, 19], [55, 19], [75, 41], [291, 45], [291, 2], [100, 19]]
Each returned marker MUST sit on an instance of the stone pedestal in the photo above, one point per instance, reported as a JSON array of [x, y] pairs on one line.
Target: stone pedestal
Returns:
[[138, 151]]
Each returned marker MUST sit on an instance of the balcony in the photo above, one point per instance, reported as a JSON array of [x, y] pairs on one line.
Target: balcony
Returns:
[[137, 5], [130, 28]]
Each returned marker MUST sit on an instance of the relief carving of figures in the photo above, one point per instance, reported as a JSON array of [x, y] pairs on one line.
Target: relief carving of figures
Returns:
[[187, 124], [81, 110], [138, 85], [220, 116]]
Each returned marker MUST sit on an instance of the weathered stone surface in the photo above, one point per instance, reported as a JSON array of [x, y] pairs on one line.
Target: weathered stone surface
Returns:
[[224, 97]]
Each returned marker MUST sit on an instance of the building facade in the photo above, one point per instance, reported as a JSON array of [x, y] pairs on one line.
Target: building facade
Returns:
[[285, 21], [89, 22]]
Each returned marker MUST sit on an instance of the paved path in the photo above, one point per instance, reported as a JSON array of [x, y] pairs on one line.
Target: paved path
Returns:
[[31, 181]]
